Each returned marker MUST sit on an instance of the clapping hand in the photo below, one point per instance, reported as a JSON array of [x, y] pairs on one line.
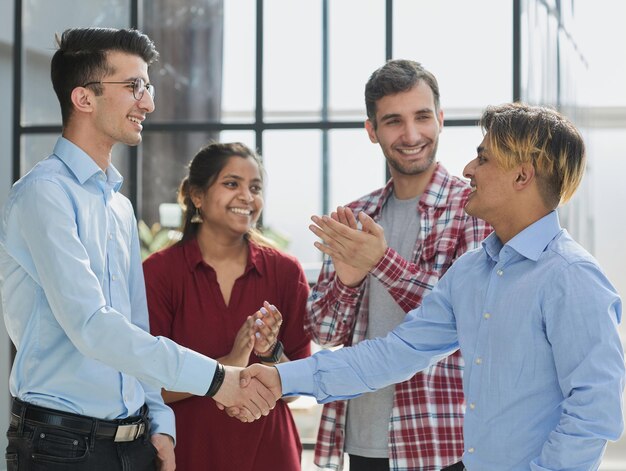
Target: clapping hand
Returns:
[[267, 322], [354, 252]]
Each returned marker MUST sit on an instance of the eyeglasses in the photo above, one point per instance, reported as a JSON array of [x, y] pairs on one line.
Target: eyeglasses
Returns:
[[139, 87]]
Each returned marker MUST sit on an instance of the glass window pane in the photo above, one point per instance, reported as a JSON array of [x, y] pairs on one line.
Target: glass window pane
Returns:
[[245, 137], [292, 77], [164, 164], [41, 20], [293, 188], [238, 88], [457, 146], [188, 75], [472, 59], [357, 166], [353, 57]]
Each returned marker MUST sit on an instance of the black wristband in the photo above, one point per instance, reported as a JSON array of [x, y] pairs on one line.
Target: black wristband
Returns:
[[218, 379]]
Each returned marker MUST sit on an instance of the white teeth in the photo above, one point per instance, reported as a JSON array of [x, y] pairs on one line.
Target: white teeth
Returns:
[[411, 151], [245, 212], [134, 120]]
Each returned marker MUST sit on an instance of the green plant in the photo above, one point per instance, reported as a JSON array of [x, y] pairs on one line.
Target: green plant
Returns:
[[155, 238]]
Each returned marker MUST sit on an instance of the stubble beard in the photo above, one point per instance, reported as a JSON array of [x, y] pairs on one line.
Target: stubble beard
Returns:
[[413, 168]]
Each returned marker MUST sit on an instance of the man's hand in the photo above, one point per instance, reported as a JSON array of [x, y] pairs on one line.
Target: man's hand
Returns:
[[354, 252], [253, 400], [164, 444], [267, 375]]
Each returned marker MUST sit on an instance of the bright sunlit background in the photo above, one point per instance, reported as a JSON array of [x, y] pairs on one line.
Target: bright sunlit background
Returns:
[[209, 92]]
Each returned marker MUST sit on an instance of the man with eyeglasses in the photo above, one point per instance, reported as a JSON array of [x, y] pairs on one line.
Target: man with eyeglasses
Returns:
[[87, 375]]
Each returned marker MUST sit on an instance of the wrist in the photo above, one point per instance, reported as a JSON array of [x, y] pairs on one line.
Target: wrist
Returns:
[[273, 354], [218, 380]]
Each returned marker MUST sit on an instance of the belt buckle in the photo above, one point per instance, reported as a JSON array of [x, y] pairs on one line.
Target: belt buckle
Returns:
[[128, 433]]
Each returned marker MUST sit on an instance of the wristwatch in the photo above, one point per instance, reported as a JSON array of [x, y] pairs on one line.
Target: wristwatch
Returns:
[[277, 353]]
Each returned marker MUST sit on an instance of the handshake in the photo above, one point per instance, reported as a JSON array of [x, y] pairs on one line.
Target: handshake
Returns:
[[249, 393]]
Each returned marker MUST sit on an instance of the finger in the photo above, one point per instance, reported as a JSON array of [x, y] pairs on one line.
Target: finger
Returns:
[[351, 220], [220, 406], [268, 397], [245, 376], [369, 225]]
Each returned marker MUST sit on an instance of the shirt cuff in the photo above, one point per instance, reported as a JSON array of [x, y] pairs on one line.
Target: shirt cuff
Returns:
[[297, 377], [196, 374], [163, 422], [346, 294], [390, 267]]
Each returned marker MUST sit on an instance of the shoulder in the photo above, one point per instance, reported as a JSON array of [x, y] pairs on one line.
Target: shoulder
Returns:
[[165, 261], [365, 202]]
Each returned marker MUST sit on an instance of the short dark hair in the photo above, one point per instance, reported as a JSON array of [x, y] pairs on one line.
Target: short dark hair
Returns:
[[81, 57], [396, 76], [518, 133]]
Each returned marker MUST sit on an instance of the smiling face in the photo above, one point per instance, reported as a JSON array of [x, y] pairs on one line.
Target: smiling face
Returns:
[[407, 128], [117, 116], [233, 203], [493, 187]]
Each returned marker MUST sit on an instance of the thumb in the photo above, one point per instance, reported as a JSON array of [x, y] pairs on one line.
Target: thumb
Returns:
[[368, 224], [245, 377]]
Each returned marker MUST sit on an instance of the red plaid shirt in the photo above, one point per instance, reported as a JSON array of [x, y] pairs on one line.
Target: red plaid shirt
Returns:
[[426, 426]]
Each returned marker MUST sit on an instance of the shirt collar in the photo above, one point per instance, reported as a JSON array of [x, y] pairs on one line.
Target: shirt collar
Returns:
[[193, 256], [83, 166], [435, 194], [529, 243]]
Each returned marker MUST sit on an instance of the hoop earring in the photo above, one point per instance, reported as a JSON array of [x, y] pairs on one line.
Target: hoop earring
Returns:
[[197, 217]]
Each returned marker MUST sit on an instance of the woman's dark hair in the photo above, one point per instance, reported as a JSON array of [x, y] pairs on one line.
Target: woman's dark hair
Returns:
[[203, 171]]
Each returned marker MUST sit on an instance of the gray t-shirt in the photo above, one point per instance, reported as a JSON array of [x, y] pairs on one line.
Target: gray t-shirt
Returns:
[[367, 427]]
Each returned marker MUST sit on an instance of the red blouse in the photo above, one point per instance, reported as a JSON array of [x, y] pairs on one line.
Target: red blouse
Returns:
[[186, 305]]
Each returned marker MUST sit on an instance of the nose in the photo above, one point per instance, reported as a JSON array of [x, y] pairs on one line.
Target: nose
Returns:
[[245, 195], [411, 133], [468, 171], [147, 102]]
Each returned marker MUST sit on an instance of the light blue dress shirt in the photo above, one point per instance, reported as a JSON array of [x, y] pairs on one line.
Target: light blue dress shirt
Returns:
[[536, 321], [74, 297]]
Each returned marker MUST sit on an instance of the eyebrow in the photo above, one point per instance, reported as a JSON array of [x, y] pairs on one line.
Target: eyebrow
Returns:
[[238, 177]]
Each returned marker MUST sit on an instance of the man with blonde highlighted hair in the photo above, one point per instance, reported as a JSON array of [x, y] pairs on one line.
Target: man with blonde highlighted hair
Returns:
[[531, 311]]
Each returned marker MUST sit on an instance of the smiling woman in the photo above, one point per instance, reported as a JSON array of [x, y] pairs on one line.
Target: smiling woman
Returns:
[[224, 289]]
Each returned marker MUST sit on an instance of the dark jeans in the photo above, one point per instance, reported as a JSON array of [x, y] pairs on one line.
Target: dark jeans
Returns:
[[455, 467], [362, 463], [38, 447]]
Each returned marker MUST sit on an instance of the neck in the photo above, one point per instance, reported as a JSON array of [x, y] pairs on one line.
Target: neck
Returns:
[[409, 186], [98, 150], [516, 222], [216, 247]]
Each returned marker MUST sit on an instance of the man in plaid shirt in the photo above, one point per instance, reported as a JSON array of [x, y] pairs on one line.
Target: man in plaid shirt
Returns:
[[417, 424]]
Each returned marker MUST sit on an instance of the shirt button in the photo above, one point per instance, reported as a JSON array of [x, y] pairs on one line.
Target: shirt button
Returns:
[[114, 278], [472, 406], [500, 272], [478, 361], [486, 315], [470, 450], [110, 236]]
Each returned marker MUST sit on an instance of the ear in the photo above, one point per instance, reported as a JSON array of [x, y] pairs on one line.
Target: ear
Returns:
[[82, 99], [196, 198], [440, 119], [524, 176], [371, 132]]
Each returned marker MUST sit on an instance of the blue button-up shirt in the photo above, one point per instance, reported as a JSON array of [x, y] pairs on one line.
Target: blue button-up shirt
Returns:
[[536, 321], [74, 297]]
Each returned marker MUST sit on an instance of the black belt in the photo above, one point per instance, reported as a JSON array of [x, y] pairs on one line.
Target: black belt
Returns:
[[125, 430]]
